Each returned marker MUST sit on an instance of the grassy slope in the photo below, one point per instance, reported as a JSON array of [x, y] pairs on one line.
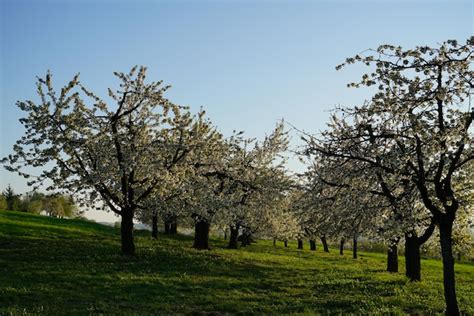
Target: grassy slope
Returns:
[[55, 266]]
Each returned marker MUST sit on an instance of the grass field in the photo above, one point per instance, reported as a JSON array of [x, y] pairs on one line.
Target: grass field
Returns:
[[55, 266]]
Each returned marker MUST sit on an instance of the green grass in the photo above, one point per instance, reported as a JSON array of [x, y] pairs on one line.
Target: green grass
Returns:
[[53, 266]]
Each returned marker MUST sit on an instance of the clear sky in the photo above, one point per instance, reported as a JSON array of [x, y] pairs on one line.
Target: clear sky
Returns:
[[248, 63]]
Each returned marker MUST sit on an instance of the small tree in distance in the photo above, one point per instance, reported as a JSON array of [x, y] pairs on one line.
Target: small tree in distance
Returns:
[[12, 200], [3, 203]]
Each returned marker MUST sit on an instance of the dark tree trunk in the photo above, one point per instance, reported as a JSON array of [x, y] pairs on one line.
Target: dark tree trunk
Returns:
[[392, 258], [225, 234], [274, 242], [312, 245], [286, 243], [354, 247], [300, 244], [341, 247], [459, 256], [174, 227], [171, 225], [234, 235], [412, 252], [167, 227], [201, 234], [325, 244], [445, 233], [412, 258], [154, 226], [246, 238], [126, 232]]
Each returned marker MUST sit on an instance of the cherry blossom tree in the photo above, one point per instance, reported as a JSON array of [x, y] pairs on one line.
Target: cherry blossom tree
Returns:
[[341, 199], [233, 185], [281, 223], [111, 152], [257, 177], [421, 113]]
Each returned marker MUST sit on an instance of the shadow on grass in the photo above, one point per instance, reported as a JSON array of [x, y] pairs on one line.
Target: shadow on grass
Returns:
[[47, 267], [88, 274]]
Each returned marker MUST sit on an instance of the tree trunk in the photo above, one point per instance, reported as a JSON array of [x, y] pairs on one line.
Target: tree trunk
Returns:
[[171, 225], [312, 245], [412, 258], [274, 242], [246, 238], [354, 247], [126, 231], [286, 243], [154, 226], [201, 234], [392, 258], [341, 247], [234, 234], [445, 233], [167, 227], [225, 234], [325, 244], [174, 227], [300, 244]]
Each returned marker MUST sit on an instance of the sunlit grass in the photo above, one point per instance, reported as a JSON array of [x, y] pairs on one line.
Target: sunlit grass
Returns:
[[55, 266]]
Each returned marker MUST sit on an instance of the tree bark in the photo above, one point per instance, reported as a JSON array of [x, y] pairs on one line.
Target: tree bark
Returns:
[[300, 244], [392, 258], [154, 226], [171, 225], [445, 233], [167, 227], [312, 245], [412, 258], [234, 235], [354, 247], [246, 238], [412, 252], [286, 243], [174, 227], [325, 244], [274, 242], [126, 232], [341, 247], [201, 234]]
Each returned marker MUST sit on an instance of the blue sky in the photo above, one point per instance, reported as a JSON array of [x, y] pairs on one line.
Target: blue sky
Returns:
[[248, 63]]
